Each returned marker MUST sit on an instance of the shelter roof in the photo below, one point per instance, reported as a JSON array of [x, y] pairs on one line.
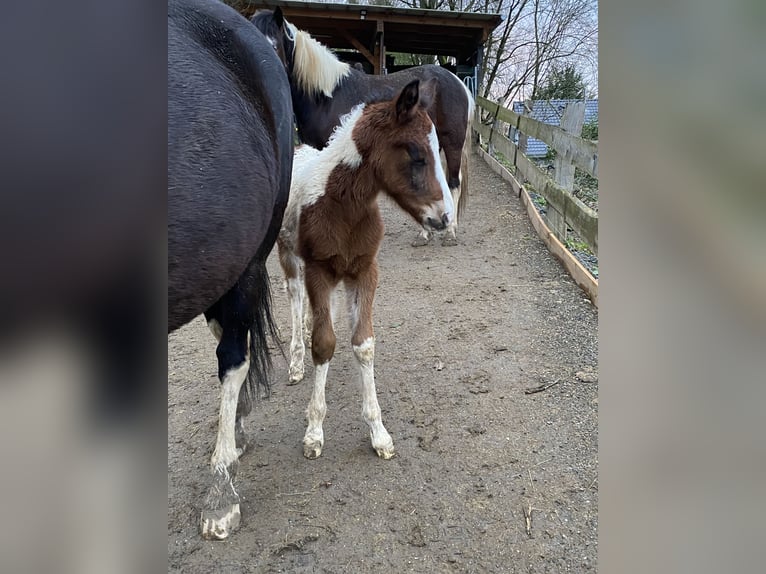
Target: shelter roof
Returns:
[[407, 30]]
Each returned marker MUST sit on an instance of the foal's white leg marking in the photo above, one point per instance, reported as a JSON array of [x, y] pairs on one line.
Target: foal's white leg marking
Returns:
[[296, 292], [381, 440], [218, 522], [313, 440]]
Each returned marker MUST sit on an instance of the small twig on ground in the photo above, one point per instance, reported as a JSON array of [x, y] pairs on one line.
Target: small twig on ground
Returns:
[[532, 484], [528, 519], [541, 388], [304, 493]]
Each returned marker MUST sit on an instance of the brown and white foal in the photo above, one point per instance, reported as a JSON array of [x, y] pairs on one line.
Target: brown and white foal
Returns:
[[332, 231]]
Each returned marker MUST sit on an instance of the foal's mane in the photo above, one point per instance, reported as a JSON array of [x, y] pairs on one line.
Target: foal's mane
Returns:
[[315, 68]]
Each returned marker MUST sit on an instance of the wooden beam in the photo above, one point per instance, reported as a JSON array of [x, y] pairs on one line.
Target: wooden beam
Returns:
[[390, 18], [358, 45]]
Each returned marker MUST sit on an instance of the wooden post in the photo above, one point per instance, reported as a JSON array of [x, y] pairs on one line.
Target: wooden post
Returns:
[[379, 62], [523, 136], [564, 170]]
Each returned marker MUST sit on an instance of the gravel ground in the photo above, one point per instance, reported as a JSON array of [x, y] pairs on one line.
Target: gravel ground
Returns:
[[461, 333]]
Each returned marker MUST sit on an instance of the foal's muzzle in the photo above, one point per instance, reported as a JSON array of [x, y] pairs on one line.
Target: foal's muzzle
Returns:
[[438, 224]]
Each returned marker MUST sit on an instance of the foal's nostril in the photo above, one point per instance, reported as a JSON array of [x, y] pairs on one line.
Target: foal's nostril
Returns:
[[436, 223], [445, 219]]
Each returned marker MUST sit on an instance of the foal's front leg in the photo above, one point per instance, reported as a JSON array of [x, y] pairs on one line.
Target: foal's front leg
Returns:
[[360, 295], [320, 288]]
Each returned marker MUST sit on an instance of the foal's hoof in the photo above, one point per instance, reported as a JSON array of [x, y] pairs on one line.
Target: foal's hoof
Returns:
[[385, 452], [420, 241], [296, 376], [218, 524], [449, 240]]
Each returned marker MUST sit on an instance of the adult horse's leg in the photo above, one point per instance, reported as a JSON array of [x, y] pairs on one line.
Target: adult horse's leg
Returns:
[[245, 403], [292, 268], [221, 514], [359, 296], [244, 316], [319, 286], [453, 154]]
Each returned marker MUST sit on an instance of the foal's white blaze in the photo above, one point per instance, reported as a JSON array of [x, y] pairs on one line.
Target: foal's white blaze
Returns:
[[225, 447], [381, 440], [449, 206]]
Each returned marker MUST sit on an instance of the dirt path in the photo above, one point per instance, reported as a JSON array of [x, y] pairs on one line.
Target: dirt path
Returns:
[[461, 333]]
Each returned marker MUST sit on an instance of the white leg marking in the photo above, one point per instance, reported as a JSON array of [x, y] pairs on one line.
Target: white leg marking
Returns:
[[216, 329], [313, 440], [296, 292], [225, 447], [219, 528], [381, 440]]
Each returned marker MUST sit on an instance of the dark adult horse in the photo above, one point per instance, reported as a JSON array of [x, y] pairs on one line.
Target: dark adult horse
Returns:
[[324, 89], [229, 162]]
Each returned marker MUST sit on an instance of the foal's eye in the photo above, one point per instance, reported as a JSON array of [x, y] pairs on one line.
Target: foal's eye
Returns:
[[419, 162]]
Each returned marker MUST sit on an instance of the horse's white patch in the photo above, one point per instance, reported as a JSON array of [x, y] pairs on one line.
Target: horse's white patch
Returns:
[[296, 291], [313, 440], [220, 528], [225, 447], [365, 358], [449, 206], [312, 167], [215, 328]]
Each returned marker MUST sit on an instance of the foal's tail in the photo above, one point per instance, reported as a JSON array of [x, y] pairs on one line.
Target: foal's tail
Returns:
[[262, 330], [463, 200]]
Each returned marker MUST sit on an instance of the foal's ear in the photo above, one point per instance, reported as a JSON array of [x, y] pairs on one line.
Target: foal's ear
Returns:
[[407, 100], [279, 18]]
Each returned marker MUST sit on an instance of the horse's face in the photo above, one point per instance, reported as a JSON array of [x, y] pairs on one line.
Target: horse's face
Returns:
[[405, 153], [280, 33]]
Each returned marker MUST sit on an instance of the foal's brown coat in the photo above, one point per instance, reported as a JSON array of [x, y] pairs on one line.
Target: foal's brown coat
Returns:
[[333, 230]]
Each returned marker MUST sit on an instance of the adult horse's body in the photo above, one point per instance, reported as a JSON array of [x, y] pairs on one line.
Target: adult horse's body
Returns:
[[332, 231], [324, 89], [229, 164]]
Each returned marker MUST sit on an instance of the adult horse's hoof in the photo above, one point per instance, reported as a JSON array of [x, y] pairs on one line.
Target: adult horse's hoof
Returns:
[[296, 375], [420, 241], [449, 240], [312, 449], [218, 524]]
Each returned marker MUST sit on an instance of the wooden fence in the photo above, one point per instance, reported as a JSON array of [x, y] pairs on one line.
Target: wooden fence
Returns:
[[563, 210]]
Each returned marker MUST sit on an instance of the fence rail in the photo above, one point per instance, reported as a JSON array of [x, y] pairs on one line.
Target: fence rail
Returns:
[[563, 210]]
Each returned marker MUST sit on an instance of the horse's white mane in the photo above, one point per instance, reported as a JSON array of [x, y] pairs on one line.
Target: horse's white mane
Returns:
[[315, 69]]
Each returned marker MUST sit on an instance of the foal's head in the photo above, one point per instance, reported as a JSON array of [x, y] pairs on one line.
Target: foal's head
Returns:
[[398, 141]]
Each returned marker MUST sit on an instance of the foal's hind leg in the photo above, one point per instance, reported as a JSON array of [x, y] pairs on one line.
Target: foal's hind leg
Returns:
[[359, 296], [292, 267]]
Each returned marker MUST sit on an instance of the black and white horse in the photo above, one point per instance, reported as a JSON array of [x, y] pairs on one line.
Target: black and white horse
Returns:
[[230, 127], [324, 89]]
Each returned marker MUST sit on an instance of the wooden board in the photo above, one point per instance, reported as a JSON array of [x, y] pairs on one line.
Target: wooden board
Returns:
[[580, 274]]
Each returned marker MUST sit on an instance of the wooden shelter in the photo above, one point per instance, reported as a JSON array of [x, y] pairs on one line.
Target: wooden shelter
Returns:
[[372, 31]]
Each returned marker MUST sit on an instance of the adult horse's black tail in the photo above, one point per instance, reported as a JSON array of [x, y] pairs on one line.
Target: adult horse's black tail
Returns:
[[262, 330]]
